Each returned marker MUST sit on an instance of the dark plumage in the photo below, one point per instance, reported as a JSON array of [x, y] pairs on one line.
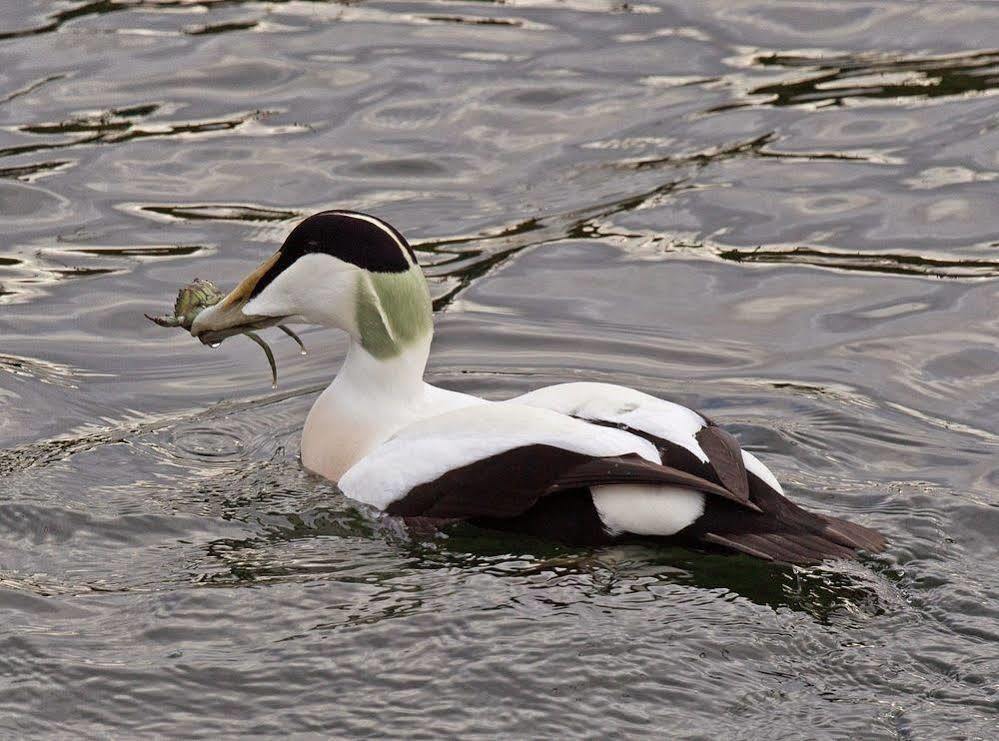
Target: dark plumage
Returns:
[[510, 483], [779, 531], [782, 531], [545, 490]]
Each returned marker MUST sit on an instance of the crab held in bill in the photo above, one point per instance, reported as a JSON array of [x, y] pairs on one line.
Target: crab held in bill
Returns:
[[197, 296]]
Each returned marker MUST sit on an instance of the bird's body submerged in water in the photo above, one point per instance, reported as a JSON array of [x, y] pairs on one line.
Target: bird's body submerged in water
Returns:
[[585, 463]]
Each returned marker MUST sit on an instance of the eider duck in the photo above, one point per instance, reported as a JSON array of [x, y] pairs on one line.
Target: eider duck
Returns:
[[581, 463]]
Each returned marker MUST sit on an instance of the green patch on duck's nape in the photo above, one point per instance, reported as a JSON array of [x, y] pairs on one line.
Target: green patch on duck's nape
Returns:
[[393, 311]]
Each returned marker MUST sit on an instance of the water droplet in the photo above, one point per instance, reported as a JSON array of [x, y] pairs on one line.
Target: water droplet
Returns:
[[213, 345], [304, 352]]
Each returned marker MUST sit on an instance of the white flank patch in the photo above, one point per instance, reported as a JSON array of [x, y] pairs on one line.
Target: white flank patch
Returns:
[[607, 402], [647, 510], [753, 465], [426, 450]]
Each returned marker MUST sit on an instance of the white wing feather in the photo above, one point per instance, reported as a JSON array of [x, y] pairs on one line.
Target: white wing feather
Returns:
[[607, 402], [426, 450]]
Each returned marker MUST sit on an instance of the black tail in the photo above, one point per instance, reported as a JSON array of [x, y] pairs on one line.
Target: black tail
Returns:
[[783, 531]]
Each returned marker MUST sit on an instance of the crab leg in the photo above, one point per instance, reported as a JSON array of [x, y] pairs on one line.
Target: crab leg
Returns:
[[293, 336], [163, 321], [270, 356]]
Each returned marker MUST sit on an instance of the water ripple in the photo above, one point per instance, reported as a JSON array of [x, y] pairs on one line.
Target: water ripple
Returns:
[[831, 80]]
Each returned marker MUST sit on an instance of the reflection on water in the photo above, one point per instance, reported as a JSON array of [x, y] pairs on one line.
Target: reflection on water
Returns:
[[781, 213], [219, 212], [900, 264], [838, 80]]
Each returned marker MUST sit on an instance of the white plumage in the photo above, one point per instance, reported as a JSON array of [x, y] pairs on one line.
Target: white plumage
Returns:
[[606, 402], [427, 449]]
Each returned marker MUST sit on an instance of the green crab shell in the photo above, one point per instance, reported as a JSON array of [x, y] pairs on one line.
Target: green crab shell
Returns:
[[192, 299]]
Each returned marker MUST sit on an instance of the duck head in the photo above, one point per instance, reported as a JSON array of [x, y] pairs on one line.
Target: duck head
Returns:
[[340, 269]]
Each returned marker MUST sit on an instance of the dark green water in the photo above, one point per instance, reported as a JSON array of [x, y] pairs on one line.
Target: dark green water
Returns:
[[783, 213]]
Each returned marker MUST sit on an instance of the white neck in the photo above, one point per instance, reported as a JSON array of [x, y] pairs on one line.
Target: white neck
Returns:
[[367, 402]]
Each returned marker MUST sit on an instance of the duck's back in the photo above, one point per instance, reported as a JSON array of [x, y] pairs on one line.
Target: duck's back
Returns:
[[687, 440]]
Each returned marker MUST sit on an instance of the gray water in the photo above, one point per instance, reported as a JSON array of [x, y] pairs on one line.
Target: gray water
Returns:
[[783, 213]]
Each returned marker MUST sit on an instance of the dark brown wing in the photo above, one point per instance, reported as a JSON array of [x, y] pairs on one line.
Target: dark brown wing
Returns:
[[545, 490], [775, 529], [782, 532], [508, 484], [725, 457], [633, 469]]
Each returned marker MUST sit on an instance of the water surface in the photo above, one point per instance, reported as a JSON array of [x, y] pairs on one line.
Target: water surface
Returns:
[[781, 213]]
